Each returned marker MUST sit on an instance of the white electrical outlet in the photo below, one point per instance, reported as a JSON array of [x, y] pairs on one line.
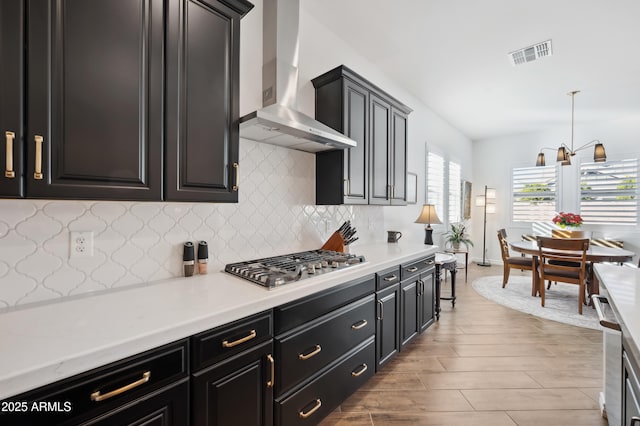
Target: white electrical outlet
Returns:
[[81, 244]]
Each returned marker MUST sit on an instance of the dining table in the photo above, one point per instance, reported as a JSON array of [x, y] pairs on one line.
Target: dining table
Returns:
[[595, 254]]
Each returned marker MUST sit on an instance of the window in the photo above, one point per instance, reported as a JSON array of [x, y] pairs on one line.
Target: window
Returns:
[[609, 192], [534, 194], [443, 187], [455, 192]]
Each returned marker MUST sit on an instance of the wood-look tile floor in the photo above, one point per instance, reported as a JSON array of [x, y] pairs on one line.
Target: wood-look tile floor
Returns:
[[485, 364]]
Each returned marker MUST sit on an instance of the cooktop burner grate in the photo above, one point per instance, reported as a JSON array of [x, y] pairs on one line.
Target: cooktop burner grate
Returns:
[[278, 270]]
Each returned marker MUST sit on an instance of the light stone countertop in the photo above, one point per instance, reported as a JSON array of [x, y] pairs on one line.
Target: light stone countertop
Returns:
[[623, 285], [43, 344]]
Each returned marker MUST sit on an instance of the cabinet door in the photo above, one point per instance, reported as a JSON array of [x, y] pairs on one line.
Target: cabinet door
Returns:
[[427, 301], [237, 391], [11, 102], [387, 325], [356, 160], [201, 161], [398, 163], [630, 392], [167, 407], [380, 125], [95, 99], [409, 310]]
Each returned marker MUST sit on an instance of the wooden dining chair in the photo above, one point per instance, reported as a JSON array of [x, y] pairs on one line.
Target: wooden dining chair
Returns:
[[563, 260], [564, 233], [511, 262]]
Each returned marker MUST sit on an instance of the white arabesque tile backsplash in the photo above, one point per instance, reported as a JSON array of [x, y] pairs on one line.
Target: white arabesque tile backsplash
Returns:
[[139, 242]]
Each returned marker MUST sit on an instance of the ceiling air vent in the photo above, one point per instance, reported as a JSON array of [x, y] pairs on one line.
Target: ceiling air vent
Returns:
[[531, 53]]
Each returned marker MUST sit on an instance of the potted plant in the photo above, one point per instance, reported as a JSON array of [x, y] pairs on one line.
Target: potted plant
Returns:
[[457, 234]]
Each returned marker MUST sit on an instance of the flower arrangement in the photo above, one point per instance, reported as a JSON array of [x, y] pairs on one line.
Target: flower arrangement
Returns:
[[564, 220]]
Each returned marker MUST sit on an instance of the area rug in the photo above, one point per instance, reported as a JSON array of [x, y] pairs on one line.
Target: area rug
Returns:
[[561, 301]]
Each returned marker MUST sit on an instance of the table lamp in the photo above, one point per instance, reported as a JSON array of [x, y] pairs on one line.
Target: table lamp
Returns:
[[428, 216]]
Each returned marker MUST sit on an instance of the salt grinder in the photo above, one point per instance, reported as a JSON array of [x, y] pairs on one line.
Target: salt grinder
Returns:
[[203, 257], [188, 260]]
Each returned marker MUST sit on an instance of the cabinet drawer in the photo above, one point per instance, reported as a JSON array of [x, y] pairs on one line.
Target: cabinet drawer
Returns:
[[387, 278], [311, 347], [321, 396], [309, 308], [102, 390], [214, 345], [417, 267]]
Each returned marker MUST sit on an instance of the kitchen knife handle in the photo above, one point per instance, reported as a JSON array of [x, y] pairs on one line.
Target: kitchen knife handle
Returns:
[[272, 379], [304, 415], [236, 169], [226, 344], [37, 174], [97, 396], [9, 172]]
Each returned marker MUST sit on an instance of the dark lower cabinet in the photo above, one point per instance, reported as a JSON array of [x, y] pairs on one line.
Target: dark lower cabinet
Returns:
[[387, 324], [236, 391], [410, 295], [418, 301], [630, 391], [426, 301]]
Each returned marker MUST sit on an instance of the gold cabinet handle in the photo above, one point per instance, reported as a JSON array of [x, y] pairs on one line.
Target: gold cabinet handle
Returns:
[[316, 351], [315, 408], [272, 379], [348, 187], [9, 172], [359, 372], [391, 278], [359, 325], [227, 344], [381, 316], [38, 171], [236, 168], [415, 268], [97, 396]]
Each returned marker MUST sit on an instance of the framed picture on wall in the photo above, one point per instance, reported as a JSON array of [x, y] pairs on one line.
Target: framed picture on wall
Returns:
[[412, 188], [465, 203]]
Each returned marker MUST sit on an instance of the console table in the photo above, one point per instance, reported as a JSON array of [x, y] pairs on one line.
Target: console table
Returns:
[[445, 261]]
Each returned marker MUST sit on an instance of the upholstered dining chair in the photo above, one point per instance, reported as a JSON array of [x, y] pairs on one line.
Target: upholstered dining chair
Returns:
[[563, 260], [511, 262]]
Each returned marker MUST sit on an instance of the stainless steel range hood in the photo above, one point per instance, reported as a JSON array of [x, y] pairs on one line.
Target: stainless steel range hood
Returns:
[[279, 122]]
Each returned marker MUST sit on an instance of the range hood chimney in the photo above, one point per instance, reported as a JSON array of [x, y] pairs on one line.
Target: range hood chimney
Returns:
[[279, 122]]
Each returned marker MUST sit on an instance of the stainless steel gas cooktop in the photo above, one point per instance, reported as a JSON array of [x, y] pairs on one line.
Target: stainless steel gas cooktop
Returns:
[[278, 270]]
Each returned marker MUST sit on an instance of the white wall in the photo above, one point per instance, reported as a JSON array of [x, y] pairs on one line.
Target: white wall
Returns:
[[494, 158], [141, 242]]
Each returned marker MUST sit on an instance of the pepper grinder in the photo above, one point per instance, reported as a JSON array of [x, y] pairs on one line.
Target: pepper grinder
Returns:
[[203, 257], [188, 260]]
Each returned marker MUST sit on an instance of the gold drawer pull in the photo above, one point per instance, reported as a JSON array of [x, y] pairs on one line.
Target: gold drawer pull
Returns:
[[391, 278], [315, 408], [227, 344], [38, 170], [359, 325], [313, 353], [415, 268], [9, 172], [358, 373], [236, 168], [272, 379], [97, 397]]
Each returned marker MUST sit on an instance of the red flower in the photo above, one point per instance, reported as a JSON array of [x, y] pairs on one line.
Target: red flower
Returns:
[[567, 219]]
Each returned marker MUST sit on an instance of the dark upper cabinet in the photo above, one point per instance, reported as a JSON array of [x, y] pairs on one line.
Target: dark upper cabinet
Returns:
[[124, 99], [375, 171], [95, 99], [11, 101], [201, 161]]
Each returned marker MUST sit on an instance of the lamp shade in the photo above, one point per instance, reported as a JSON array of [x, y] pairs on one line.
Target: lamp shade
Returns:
[[540, 160], [599, 155], [428, 215]]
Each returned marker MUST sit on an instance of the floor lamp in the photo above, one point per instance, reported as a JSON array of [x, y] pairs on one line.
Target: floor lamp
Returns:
[[487, 201]]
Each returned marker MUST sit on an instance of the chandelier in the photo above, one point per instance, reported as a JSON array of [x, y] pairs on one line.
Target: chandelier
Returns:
[[565, 152]]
